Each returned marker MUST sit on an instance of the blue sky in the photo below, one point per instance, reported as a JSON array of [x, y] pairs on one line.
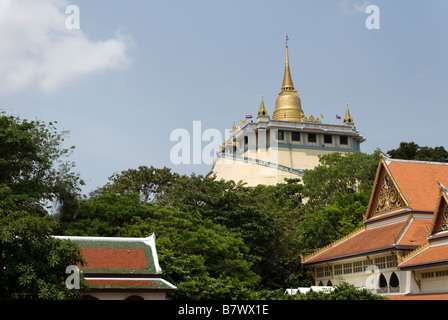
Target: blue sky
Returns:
[[137, 70]]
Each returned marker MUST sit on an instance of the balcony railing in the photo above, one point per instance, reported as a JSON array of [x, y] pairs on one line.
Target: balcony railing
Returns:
[[388, 289], [263, 163]]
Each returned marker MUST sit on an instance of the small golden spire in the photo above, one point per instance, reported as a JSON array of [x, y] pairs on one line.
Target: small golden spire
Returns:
[[348, 118], [262, 111]]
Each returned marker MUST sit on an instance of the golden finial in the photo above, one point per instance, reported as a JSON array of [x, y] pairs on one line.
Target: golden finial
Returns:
[[287, 79], [348, 118], [262, 111], [288, 106]]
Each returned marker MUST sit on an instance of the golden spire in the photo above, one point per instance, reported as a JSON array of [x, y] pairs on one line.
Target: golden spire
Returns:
[[288, 106], [262, 111], [287, 80], [348, 118]]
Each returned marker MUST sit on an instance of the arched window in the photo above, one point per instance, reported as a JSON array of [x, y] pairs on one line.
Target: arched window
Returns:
[[329, 284], [394, 283], [321, 284], [382, 284]]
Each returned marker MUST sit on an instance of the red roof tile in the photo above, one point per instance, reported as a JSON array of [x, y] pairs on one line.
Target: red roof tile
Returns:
[[368, 240], [419, 296], [415, 234], [114, 258], [115, 282], [418, 182], [431, 254]]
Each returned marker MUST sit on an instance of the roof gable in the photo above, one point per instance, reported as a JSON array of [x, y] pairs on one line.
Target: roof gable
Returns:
[[440, 219], [418, 181], [386, 193], [406, 184], [434, 250]]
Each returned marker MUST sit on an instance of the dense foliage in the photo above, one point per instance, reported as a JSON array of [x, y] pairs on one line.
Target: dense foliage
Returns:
[[412, 151], [215, 239], [32, 173]]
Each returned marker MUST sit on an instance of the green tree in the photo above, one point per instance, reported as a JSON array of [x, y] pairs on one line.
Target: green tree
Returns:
[[338, 192], [32, 173], [33, 262], [326, 225], [202, 258], [263, 217], [412, 151], [148, 182], [339, 174], [32, 163]]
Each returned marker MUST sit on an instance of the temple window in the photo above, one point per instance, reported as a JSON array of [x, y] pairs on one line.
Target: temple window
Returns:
[[312, 137], [295, 136], [281, 135]]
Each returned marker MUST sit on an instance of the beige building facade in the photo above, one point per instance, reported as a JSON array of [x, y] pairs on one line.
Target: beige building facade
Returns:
[[269, 149]]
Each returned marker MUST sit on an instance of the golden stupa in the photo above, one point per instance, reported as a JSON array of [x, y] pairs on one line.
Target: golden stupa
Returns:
[[288, 106]]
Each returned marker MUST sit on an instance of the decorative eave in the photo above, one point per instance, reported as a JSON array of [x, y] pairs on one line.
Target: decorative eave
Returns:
[[412, 254], [115, 284], [331, 245], [442, 203]]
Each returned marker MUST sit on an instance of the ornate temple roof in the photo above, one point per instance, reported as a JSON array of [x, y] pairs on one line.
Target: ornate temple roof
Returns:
[[400, 213], [121, 263]]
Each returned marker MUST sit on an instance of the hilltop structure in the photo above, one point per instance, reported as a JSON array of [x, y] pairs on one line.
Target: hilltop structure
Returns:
[[268, 150]]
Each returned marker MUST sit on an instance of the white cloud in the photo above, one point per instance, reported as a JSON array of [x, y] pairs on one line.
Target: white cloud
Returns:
[[37, 48], [353, 6]]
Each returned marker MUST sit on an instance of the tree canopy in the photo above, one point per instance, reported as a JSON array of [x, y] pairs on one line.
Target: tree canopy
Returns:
[[32, 173], [412, 151], [216, 239]]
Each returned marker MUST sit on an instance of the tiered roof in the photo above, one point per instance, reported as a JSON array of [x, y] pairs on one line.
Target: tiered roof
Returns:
[[435, 251], [121, 263], [399, 214]]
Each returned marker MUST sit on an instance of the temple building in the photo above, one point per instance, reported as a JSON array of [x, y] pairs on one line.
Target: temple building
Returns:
[[401, 250], [121, 268], [269, 149]]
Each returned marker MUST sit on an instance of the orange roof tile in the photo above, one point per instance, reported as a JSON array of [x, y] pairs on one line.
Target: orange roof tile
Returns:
[[115, 282], [418, 181], [366, 241], [431, 254], [415, 234], [419, 296], [114, 258]]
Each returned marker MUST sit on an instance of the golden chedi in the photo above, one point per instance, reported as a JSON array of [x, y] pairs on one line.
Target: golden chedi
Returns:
[[288, 106], [267, 150]]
